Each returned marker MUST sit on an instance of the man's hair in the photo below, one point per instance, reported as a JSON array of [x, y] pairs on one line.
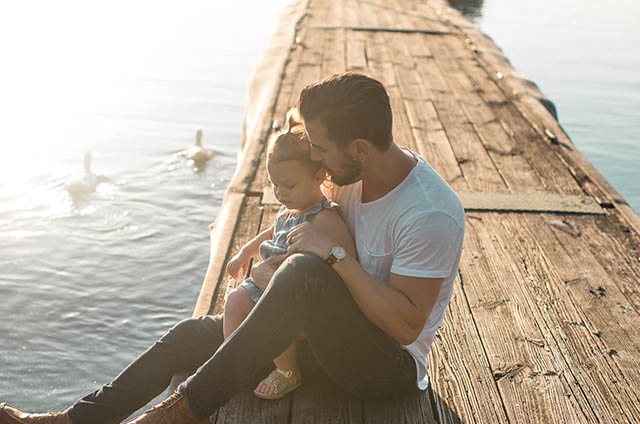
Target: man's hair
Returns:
[[350, 106]]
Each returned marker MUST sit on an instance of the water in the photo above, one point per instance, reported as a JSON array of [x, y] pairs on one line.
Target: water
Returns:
[[583, 54], [87, 284]]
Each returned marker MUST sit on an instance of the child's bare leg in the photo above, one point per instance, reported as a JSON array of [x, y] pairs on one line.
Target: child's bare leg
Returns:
[[236, 310], [287, 360]]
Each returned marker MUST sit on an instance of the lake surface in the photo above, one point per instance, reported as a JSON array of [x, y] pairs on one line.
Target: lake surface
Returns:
[[86, 285], [583, 55]]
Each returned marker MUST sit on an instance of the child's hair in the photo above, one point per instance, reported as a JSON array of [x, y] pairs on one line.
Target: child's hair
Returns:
[[291, 143]]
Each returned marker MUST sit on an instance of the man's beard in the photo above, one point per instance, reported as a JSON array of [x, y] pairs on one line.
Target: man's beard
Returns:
[[354, 169]]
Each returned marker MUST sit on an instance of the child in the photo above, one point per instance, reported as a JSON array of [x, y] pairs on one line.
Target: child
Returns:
[[296, 182]]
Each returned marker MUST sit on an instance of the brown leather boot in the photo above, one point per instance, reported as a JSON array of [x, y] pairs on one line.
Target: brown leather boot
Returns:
[[9, 415], [173, 410]]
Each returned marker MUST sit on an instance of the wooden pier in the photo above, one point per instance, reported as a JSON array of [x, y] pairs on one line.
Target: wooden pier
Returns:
[[544, 323]]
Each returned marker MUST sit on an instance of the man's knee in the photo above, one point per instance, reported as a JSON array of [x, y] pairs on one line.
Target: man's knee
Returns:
[[305, 272], [193, 329]]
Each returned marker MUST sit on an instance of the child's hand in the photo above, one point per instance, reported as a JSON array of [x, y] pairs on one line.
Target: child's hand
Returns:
[[238, 265]]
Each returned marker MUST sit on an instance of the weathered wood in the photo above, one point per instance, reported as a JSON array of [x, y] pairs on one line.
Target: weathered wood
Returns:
[[459, 369], [501, 148], [543, 324], [351, 13], [618, 253], [381, 67], [356, 53], [245, 407], [319, 400], [429, 83], [551, 171], [551, 276], [530, 378], [598, 296], [334, 60], [246, 228]]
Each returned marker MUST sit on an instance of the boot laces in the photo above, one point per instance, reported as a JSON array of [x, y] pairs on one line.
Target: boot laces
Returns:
[[167, 402]]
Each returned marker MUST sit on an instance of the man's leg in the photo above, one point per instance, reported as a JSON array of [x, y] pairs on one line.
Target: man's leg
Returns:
[[304, 294], [183, 348]]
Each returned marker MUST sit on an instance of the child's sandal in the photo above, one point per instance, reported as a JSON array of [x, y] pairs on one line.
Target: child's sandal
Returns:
[[282, 381]]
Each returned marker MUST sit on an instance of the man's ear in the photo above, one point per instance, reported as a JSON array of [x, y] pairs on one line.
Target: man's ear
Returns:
[[360, 147]]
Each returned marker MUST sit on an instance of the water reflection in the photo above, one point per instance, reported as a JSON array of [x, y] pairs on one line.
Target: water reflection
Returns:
[[471, 9], [575, 56]]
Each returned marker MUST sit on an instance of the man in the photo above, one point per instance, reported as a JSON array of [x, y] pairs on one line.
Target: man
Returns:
[[369, 324]]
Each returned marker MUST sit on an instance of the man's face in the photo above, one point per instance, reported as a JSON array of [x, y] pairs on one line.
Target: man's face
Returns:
[[341, 166]]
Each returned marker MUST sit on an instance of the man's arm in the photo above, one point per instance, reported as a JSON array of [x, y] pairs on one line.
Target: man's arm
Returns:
[[400, 309]]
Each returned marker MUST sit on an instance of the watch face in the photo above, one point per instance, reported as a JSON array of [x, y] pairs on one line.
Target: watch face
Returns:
[[339, 252]]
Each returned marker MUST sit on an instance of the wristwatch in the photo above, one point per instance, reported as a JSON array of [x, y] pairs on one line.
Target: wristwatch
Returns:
[[336, 255]]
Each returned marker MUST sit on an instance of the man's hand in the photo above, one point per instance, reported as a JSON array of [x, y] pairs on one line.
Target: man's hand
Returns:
[[261, 274], [238, 265], [305, 237]]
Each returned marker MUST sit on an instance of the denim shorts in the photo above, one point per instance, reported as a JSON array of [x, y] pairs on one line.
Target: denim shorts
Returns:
[[254, 291]]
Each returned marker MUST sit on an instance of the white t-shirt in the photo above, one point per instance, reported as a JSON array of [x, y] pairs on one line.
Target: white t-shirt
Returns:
[[415, 230]]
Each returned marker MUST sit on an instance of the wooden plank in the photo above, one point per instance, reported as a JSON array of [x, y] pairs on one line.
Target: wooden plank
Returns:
[[368, 13], [501, 148], [618, 253], [221, 233], [351, 13], [598, 296], [432, 142], [381, 68], [247, 227], [548, 274], [410, 409], [335, 14], [381, 58], [526, 98], [318, 12], [334, 60], [517, 202], [459, 371], [424, 16], [245, 407], [549, 169], [477, 167], [429, 83], [356, 51], [318, 400], [531, 378]]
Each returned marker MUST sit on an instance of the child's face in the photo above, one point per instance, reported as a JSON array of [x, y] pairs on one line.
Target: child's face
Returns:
[[294, 184]]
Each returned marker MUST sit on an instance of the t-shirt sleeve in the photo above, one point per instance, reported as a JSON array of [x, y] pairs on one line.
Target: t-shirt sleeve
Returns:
[[427, 246]]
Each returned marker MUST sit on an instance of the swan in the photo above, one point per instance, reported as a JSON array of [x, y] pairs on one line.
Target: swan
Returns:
[[197, 152], [86, 183]]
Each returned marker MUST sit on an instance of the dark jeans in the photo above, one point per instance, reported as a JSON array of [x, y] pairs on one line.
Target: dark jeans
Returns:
[[305, 294]]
